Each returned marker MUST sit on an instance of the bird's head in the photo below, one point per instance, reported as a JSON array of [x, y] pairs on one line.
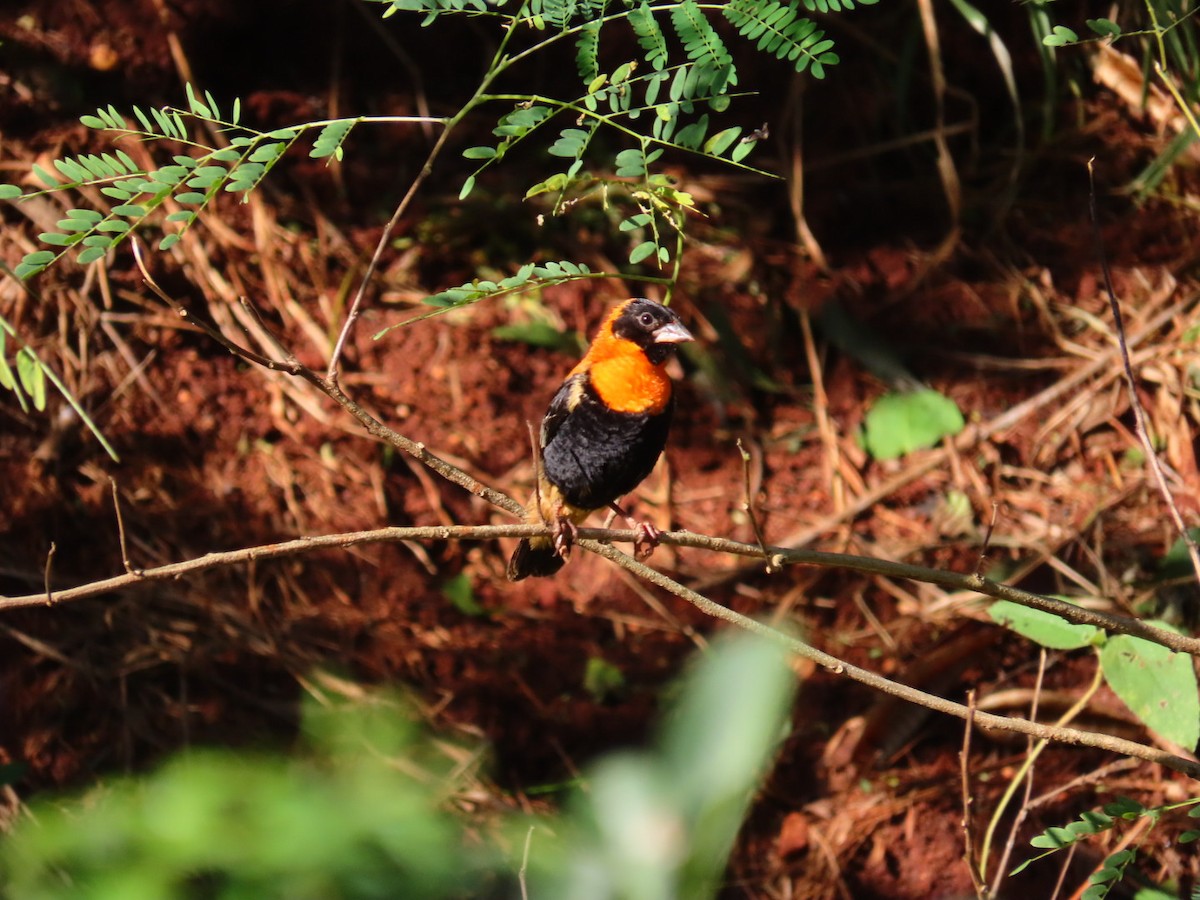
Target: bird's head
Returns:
[[654, 328]]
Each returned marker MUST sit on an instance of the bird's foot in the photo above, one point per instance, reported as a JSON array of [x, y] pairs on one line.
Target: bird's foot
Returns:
[[564, 537], [648, 539], [648, 535]]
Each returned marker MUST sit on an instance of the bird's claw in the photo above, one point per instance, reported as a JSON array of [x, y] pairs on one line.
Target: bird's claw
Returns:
[[564, 537], [647, 539]]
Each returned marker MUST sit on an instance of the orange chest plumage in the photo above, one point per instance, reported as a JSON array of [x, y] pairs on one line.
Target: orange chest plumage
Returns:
[[622, 377]]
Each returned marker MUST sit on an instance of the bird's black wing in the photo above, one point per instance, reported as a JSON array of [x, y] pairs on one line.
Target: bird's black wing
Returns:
[[564, 402]]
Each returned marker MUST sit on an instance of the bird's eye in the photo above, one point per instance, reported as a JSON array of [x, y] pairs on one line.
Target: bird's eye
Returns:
[[646, 319]]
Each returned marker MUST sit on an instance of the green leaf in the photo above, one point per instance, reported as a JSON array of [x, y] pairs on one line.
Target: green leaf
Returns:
[[631, 163], [601, 679], [267, 153], [10, 192], [32, 377], [1060, 37], [168, 242], [901, 423], [329, 141], [721, 141], [1158, 684], [536, 333], [55, 239], [641, 252], [570, 143], [194, 103], [459, 591], [479, 153], [90, 254], [1042, 627], [1104, 27], [86, 215], [467, 186], [45, 177], [129, 210]]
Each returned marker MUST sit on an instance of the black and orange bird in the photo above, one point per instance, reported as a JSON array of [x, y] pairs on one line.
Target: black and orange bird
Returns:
[[604, 431]]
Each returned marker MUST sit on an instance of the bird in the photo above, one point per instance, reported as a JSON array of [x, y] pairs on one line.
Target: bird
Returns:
[[604, 430]]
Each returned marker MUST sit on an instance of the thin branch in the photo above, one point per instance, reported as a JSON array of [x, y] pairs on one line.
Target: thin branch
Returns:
[[1139, 414], [964, 761], [46, 596], [335, 357], [121, 529], [748, 506], [588, 539], [987, 721], [291, 366]]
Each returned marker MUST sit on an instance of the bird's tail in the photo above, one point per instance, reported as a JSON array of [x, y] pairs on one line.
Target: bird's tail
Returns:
[[534, 556]]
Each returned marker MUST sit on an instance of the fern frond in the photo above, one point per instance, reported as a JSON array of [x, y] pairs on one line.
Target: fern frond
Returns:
[[778, 29]]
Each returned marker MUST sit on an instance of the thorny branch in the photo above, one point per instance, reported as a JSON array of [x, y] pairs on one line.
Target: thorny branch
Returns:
[[595, 541]]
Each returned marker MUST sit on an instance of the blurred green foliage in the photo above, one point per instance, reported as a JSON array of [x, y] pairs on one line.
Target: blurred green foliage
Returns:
[[361, 811]]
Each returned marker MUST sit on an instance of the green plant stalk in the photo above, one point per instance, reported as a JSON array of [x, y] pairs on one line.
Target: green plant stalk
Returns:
[[1027, 765], [1183, 105]]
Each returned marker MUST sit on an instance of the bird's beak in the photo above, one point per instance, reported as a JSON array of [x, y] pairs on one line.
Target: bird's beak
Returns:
[[672, 333]]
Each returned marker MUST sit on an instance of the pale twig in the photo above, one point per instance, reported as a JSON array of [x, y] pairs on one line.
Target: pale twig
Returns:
[[1139, 413]]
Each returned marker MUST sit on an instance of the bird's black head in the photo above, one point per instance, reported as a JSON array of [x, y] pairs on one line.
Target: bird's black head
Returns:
[[652, 326]]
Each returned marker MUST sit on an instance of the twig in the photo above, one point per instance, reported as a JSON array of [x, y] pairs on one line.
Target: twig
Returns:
[[521, 874], [1025, 770], [748, 506], [987, 721], [1139, 413], [331, 374], [964, 762], [1023, 811], [291, 366], [588, 539], [1077, 614], [987, 539], [121, 529], [47, 596]]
